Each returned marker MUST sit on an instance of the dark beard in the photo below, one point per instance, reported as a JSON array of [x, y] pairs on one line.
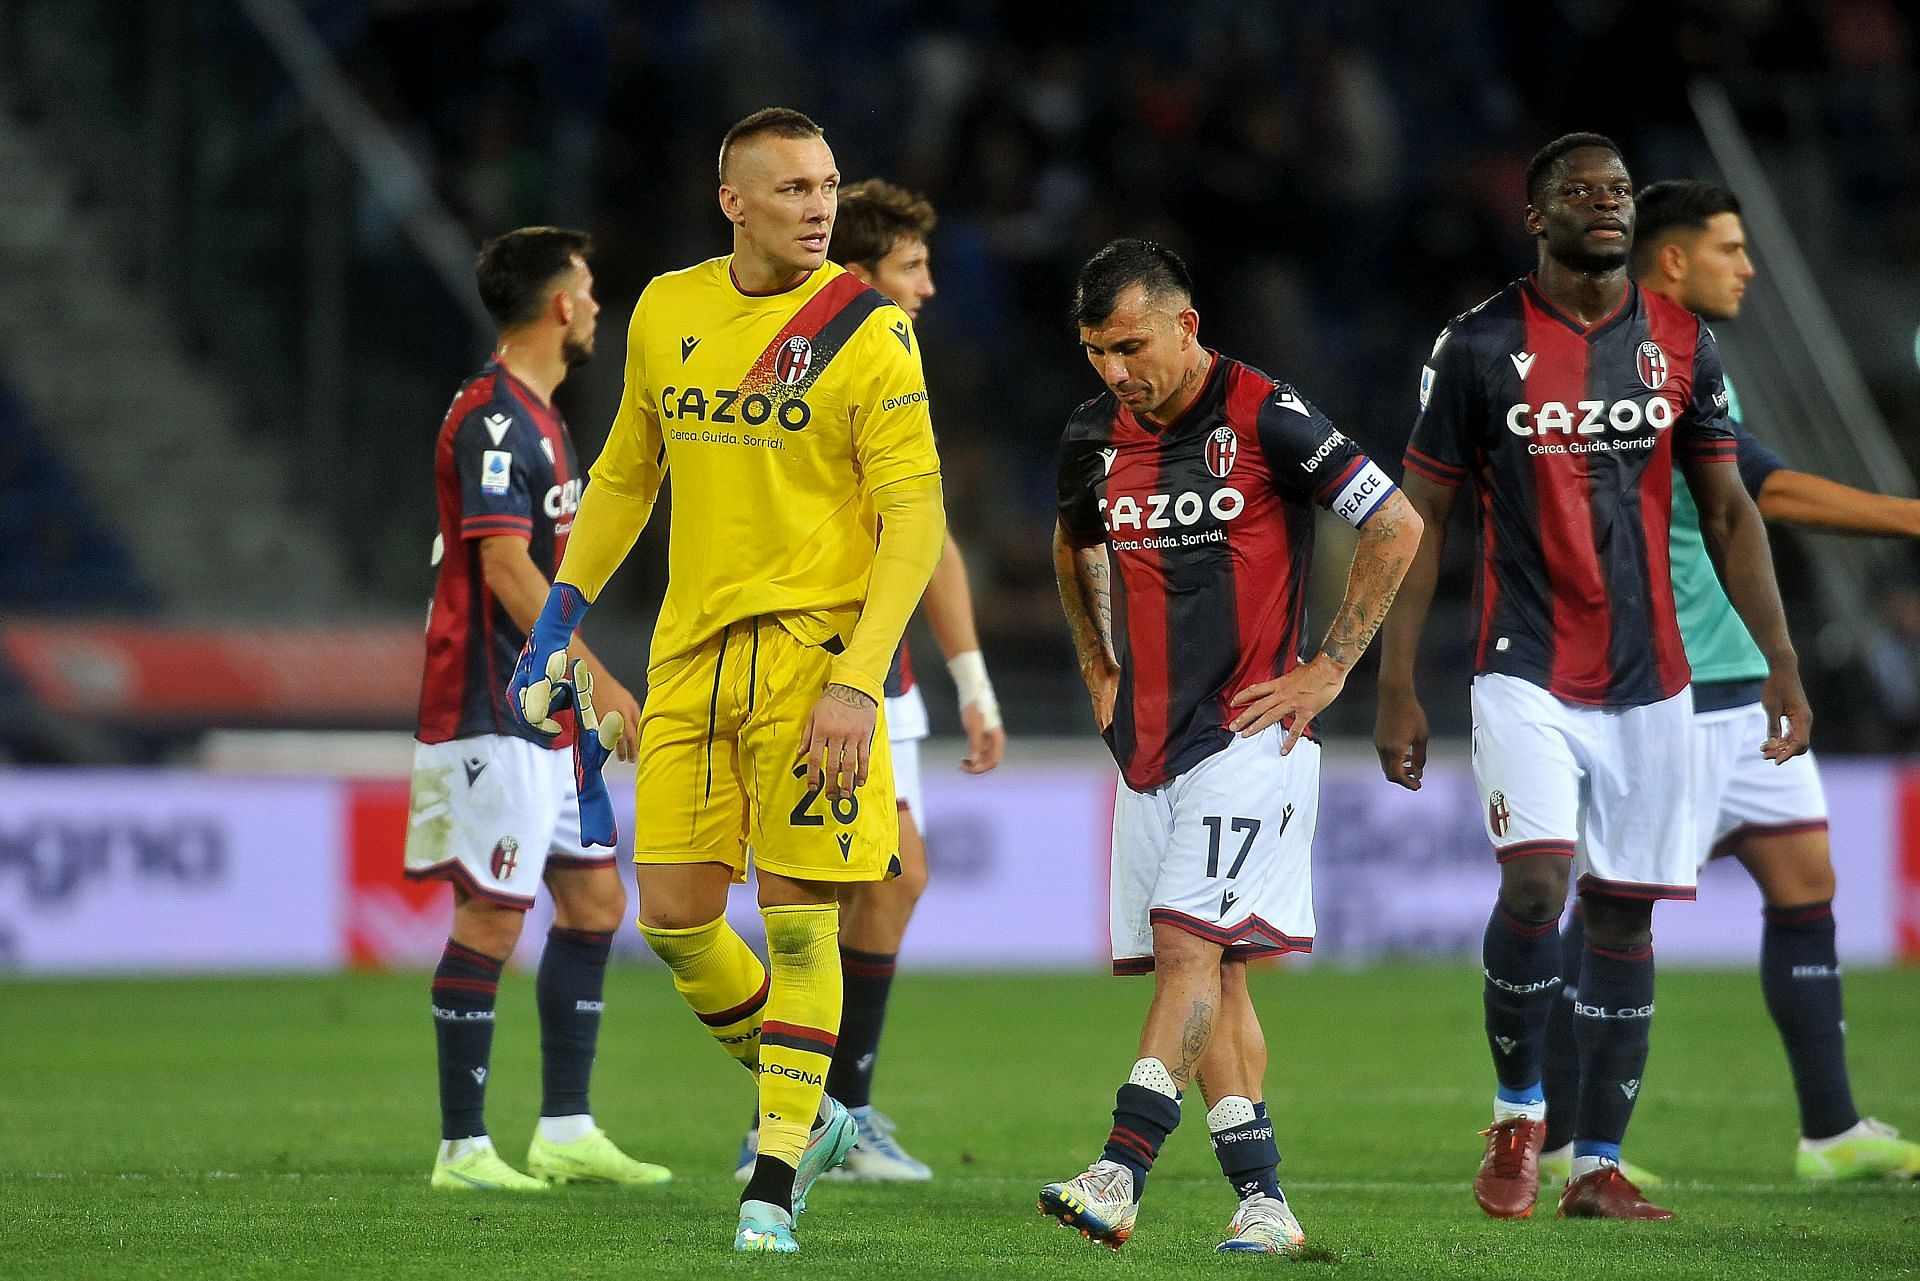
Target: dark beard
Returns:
[[575, 352], [1593, 263]]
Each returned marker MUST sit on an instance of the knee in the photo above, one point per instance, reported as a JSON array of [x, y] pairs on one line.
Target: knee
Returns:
[[667, 914], [1614, 922], [597, 904], [1534, 888], [1804, 880], [492, 929], [1178, 954]]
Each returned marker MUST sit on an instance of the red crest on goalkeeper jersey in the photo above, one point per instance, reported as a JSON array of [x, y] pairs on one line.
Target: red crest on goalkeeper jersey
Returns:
[[1653, 365], [1222, 447], [795, 358]]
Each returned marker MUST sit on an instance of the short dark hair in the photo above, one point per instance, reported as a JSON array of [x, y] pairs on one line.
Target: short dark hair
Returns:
[[1541, 167], [1122, 264], [1678, 204], [875, 216], [776, 122], [515, 270]]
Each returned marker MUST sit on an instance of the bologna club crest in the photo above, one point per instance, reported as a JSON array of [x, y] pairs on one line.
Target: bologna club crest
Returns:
[[796, 357], [1222, 447], [1653, 365], [1498, 815], [506, 857]]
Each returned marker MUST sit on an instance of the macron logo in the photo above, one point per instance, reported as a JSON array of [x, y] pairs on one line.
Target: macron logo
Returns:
[[1287, 400], [1107, 456], [1522, 362], [687, 345], [497, 425]]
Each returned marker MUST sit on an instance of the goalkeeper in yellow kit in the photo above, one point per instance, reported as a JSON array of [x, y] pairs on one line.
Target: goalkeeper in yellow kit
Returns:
[[788, 402]]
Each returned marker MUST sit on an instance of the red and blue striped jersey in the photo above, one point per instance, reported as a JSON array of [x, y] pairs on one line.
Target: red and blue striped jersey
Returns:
[[503, 466], [1570, 434], [1209, 525]]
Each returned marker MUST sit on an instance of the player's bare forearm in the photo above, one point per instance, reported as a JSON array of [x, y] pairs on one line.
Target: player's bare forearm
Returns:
[[1800, 498], [1388, 543], [1407, 614], [1736, 540], [949, 603], [516, 582], [507, 568], [1085, 579]]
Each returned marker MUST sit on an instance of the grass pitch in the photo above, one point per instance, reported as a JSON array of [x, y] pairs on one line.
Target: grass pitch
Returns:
[[240, 1128]]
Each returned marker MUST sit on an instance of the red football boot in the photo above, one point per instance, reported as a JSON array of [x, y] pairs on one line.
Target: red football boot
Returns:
[[1509, 1179], [1607, 1194]]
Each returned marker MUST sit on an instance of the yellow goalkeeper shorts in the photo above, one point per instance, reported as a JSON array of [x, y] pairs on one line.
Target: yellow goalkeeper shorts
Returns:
[[721, 772]]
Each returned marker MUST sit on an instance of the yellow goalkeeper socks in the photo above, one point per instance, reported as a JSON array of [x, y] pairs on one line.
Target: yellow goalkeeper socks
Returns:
[[722, 980], [801, 1025]]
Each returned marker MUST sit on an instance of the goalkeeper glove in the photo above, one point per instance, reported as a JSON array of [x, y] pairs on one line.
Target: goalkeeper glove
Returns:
[[538, 687], [591, 747]]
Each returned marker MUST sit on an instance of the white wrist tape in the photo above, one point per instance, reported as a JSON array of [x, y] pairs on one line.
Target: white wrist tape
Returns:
[[969, 672]]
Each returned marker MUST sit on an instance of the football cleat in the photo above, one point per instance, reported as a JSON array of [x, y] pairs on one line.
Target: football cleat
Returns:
[[764, 1229], [1263, 1225], [1099, 1204], [1509, 1179], [593, 1159], [1558, 1166], [826, 1148], [479, 1168], [1607, 1194], [877, 1157], [1870, 1150]]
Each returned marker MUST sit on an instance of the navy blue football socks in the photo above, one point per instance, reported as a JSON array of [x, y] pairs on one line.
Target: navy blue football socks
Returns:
[[1611, 1022], [1800, 976], [464, 987], [1142, 1120], [1560, 1067], [866, 979], [1521, 962], [1249, 1156], [570, 989]]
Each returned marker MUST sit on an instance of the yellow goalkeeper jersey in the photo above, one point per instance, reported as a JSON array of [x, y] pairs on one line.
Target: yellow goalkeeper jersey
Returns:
[[779, 416]]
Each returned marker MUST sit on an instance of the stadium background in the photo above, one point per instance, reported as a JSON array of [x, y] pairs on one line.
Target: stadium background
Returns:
[[235, 300], [235, 251]]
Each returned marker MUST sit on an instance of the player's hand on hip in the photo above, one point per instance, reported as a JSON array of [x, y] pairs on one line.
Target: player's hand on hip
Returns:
[[1297, 697], [1400, 737], [1789, 718], [599, 734], [539, 687], [984, 742], [839, 740], [1103, 686]]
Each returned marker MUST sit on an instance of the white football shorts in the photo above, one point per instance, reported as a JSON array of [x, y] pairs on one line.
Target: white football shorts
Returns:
[[1738, 792], [1611, 788], [490, 813], [1223, 852], [906, 726]]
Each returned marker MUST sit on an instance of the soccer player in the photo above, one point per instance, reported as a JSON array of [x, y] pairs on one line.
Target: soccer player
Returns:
[[1185, 534], [1566, 399], [787, 401], [880, 236], [1691, 246], [494, 806]]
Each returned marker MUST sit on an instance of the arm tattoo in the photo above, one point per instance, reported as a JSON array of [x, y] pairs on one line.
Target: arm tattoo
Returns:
[[1371, 586], [1193, 1041], [850, 696], [1083, 577]]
